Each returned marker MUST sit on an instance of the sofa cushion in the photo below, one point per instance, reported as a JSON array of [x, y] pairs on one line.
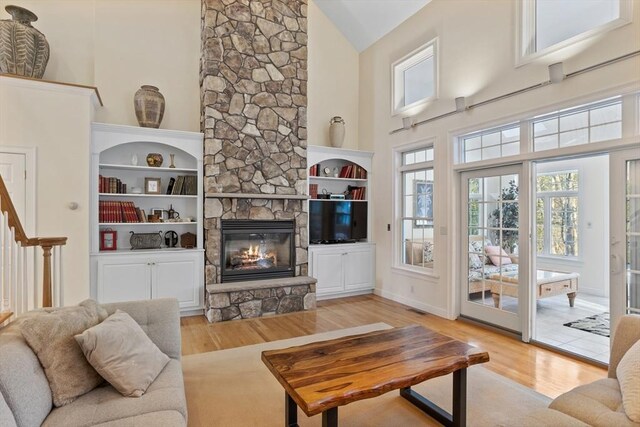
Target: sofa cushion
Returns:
[[544, 417], [598, 404], [122, 354], [50, 334], [497, 255], [104, 404], [23, 383], [628, 373]]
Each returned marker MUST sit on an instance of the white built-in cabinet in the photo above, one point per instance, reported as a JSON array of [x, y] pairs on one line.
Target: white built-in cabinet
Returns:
[[125, 274], [345, 269], [348, 268]]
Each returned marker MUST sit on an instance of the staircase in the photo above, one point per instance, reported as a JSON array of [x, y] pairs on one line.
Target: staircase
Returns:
[[19, 265]]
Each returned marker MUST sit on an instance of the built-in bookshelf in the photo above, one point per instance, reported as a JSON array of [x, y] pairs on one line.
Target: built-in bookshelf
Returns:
[[130, 196], [337, 177]]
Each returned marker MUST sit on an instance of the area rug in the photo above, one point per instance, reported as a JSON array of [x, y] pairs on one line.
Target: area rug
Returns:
[[597, 324], [233, 388]]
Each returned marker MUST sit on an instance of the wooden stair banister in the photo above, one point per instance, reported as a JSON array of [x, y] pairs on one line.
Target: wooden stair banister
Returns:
[[46, 243]]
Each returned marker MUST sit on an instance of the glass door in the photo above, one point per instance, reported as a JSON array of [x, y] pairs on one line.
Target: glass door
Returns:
[[494, 246], [625, 234]]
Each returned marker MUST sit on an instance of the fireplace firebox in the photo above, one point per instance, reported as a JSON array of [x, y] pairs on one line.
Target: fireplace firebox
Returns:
[[254, 250]]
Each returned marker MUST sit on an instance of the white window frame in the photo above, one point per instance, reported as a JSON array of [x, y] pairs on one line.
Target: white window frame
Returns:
[[398, 68], [547, 196], [526, 31], [397, 195]]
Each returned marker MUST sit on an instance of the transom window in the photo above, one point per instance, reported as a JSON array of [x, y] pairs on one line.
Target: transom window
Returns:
[[414, 78], [557, 206], [577, 126], [415, 204], [545, 27], [492, 143]]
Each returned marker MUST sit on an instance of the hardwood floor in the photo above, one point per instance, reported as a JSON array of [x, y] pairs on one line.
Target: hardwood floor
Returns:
[[542, 370]]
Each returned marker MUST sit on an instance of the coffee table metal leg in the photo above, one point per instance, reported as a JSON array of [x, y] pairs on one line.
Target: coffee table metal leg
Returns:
[[460, 398], [459, 416], [330, 417], [290, 411]]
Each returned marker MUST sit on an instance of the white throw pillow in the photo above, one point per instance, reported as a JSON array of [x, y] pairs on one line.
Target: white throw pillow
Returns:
[[123, 354], [628, 373]]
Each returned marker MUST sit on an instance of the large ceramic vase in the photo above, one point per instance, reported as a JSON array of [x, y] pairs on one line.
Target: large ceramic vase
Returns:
[[23, 49], [149, 105], [336, 132]]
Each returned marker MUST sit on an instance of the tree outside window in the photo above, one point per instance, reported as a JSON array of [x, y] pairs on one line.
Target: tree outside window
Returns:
[[557, 207]]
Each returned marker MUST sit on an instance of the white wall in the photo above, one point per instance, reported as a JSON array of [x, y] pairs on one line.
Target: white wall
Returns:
[[56, 120], [333, 80], [593, 220], [119, 45], [476, 60]]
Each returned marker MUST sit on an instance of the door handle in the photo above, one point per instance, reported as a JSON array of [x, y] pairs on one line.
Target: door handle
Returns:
[[615, 264]]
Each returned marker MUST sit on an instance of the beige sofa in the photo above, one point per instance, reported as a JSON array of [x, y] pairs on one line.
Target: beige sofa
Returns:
[[598, 404], [25, 396]]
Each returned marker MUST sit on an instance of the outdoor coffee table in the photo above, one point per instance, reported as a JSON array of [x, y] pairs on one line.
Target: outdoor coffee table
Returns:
[[321, 376]]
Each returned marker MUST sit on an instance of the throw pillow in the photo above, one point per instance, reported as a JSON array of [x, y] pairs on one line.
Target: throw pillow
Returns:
[[628, 373], [497, 255], [123, 354], [427, 251], [474, 259], [50, 334]]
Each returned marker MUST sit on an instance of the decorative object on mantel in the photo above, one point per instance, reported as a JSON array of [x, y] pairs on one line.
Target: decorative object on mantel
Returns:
[[336, 132], [172, 165], [149, 103], [188, 240], [146, 240], [155, 160], [23, 49]]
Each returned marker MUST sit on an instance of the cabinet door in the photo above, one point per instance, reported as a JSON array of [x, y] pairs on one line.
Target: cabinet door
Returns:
[[123, 279], [358, 270], [179, 278], [327, 269]]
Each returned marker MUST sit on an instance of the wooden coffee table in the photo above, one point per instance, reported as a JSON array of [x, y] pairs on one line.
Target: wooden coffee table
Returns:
[[321, 376]]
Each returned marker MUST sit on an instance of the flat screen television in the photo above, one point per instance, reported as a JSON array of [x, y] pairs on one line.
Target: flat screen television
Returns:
[[337, 221]]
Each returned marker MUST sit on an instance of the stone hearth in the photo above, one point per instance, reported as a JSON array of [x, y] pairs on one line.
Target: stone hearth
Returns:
[[253, 87], [260, 298]]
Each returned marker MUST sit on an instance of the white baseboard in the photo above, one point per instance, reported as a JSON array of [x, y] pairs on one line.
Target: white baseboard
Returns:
[[412, 303], [196, 312], [320, 297]]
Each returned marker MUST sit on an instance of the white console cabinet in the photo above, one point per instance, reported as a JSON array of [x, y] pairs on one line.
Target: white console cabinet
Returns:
[[342, 269], [150, 276]]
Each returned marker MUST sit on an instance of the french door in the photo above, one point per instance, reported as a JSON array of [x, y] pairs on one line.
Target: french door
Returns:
[[624, 234], [494, 248]]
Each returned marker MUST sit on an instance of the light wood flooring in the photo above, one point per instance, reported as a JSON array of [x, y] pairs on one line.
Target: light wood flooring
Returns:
[[542, 370]]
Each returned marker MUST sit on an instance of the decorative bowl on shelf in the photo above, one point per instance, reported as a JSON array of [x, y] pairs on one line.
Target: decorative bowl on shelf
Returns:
[[154, 160]]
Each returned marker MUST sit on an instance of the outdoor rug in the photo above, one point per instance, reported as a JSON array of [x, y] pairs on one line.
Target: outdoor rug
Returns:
[[597, 324], [233, 388]]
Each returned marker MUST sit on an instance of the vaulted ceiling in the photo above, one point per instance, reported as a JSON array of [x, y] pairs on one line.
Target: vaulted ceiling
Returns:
[[363, 22]]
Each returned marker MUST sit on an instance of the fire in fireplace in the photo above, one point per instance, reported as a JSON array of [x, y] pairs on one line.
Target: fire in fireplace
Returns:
[[253, 250]]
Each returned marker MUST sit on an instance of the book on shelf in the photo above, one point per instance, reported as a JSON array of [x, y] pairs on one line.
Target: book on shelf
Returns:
[[111, 185], [313, 191], [186, 185], [116, 211], [314, 170], [353, 172], [357, 193]]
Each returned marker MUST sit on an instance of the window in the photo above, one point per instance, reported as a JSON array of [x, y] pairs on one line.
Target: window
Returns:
[[414, 78], [415, 204], [576, 126], [557, 214], [545, 27], [492, 143]]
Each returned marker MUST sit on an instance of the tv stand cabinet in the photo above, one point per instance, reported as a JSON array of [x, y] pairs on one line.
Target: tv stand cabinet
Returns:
[[342, 269]]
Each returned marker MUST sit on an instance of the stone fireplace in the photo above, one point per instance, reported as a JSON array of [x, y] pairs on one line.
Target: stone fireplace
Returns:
[[253, 81]]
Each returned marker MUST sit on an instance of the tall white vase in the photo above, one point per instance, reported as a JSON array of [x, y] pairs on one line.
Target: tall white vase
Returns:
[[336, 132]]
